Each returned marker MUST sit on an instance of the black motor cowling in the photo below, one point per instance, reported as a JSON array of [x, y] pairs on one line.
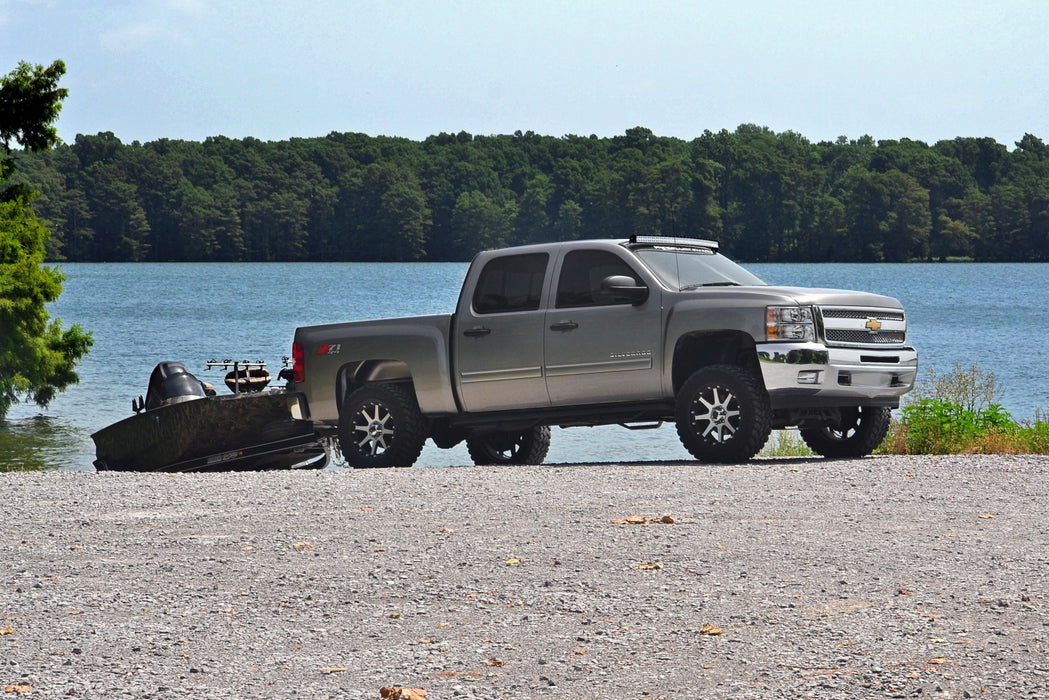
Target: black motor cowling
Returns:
[[171, 383]]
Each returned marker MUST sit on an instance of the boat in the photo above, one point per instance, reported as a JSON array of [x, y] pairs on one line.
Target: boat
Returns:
[[184, 425]]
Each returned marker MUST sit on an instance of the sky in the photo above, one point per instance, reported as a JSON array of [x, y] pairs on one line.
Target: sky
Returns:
[[189, 69]]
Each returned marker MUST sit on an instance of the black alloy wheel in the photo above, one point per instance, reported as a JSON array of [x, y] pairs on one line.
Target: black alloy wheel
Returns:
[[859, 431], [723, 414], [528, 447], [380, 425]]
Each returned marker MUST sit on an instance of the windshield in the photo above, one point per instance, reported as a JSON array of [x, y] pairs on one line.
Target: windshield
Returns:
[[689, 269]]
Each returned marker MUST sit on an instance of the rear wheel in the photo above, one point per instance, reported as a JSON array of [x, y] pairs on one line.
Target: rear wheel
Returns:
[[380, 425], [723, 414], [529, 447], [859, 431]]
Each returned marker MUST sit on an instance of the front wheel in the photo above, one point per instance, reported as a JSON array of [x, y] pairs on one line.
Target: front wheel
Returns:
[[723, 414], [381, 426], [859, 431], [529, 447]]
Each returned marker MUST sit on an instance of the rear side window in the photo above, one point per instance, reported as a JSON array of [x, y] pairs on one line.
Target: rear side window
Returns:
[[581, 276], [511, 283]]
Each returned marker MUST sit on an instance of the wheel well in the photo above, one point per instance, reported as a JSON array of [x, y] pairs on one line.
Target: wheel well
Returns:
[[697, 350], [353, 376]]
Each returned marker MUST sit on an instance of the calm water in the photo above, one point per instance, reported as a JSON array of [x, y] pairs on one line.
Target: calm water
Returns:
[[993, 315]]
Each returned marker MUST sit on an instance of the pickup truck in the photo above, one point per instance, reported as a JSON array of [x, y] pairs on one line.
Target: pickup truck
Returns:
[[632, 332]]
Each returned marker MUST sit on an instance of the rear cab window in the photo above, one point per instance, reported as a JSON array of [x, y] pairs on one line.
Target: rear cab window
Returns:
[[511, 283]]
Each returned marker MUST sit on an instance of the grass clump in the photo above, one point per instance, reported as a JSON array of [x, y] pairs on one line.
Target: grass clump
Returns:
[[958, 413], [786, 443]]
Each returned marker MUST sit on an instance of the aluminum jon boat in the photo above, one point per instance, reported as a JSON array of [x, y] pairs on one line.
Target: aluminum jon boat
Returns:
[[184, 426]]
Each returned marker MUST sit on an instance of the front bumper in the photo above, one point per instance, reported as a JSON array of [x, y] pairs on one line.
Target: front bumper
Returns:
[[801, 375]]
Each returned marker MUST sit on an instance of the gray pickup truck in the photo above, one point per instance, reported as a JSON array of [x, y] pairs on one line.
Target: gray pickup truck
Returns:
[[599, 332]]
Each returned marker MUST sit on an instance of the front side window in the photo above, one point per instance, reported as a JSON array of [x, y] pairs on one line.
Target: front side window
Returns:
[[582, 274], [511, 283]]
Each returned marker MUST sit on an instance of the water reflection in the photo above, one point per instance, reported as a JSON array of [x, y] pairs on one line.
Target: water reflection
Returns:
[[40, 442]]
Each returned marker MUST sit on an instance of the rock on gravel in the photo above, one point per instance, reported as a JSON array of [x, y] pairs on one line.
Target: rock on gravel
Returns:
[[782, 578]]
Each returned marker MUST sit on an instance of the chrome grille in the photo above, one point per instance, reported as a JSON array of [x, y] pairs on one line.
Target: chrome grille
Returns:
[[881, 314], [850, 325], [865, 338]]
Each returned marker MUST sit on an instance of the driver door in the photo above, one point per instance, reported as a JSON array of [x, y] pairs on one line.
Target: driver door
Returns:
[[600, 349]]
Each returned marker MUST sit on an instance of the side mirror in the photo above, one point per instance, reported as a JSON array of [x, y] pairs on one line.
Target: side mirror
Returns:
[[623, 289]]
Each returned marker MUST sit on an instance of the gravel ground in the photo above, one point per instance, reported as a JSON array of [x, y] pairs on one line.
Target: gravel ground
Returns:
[[783, 578]]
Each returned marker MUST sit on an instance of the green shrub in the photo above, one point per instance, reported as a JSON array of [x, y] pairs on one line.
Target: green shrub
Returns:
[[940, 426]]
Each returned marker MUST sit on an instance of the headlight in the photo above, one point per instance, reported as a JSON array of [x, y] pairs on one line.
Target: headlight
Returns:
[[789, 323]]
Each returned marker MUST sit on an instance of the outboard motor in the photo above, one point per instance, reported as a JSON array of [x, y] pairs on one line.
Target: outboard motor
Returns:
[[171, 383]]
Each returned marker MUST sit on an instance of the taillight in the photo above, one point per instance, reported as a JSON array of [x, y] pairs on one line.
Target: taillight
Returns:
[[298, 367]]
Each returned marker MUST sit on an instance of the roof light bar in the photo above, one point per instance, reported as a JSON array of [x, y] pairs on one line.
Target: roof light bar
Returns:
[[674, 241]]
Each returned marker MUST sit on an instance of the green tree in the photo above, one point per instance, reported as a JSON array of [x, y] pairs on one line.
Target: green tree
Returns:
[[569, 222], [402, 221], [30, 101], [121, 227], [955, 238], [533, 219], [907, 227], [37, 357], [479, 223]]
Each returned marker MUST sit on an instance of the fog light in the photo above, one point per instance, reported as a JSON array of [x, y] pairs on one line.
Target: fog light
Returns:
[[809, 376]]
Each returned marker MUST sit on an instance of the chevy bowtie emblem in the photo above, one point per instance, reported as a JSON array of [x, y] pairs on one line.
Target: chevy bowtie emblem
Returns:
[[873, 325]]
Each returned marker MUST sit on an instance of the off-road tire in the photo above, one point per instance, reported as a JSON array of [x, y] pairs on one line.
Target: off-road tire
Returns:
[[723, 414], [380, 425], [529, 447], [860, 431]]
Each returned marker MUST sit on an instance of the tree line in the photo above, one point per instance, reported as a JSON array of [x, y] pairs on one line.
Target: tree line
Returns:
[[766, 196]]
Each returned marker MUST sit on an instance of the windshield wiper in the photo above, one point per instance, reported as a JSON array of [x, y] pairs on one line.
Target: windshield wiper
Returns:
[[709, 284]]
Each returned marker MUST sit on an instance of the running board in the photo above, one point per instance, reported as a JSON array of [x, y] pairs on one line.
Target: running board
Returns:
[[642, 426]]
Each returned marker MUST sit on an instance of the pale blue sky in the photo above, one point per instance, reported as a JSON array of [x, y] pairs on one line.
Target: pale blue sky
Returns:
[[188, 69]]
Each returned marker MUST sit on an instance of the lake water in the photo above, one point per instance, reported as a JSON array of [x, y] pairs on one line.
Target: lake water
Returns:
[[992, 315]]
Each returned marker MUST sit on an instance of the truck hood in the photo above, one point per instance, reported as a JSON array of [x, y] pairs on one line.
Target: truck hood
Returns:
[[835, 297], [806, 296]]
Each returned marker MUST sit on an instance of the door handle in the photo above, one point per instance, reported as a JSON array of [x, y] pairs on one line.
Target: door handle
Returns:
[[564, 326], [477, 332]]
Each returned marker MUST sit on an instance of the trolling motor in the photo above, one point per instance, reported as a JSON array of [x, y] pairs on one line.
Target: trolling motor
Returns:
[[288, 372]]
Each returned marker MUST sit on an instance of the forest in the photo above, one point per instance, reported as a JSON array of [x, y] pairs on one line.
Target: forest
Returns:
[[765, 196]]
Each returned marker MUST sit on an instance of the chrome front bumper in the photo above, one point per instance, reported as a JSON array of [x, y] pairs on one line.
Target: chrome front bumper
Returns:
[[811, 374]]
